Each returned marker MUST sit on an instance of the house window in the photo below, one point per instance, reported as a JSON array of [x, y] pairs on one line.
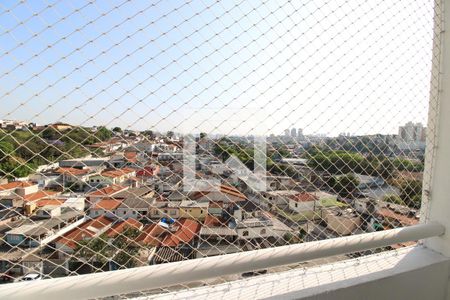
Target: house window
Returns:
[[201, 211], [134, 212], [263, 231], [245, 233], [144, 213], [98, 180], [165, 211], [296, 204]]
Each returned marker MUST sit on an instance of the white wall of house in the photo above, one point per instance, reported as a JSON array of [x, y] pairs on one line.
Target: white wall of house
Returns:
[[93, 213], [49, 212], [300, 206], [259, 232], [97, 179], [22, 191], [128, 212]]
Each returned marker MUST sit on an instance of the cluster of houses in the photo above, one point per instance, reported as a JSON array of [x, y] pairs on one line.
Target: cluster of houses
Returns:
[[47, 219]]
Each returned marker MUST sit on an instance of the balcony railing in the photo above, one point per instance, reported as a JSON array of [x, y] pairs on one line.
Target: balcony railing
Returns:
[[112, 207]]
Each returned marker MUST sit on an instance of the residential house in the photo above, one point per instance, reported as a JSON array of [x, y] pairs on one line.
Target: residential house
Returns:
[[106, 192], [179, 243], [19, 188], [342, 221], [215, 209], [228, 195], [89, 162], [275, 183], [265, 226], [147, 171], [303, 202], [134, 207], [193, 210], [278, 198], [49, 211], [216, 238], [161, 208], [36, 232], [67, 243], [105, 207], [394, 219], [120, 227], [152, 235], [143, 191], [112, 176], [75, 178]]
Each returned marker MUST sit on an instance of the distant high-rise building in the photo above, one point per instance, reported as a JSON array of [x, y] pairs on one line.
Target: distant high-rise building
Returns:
[[411, 136], [300, 132], [293, 132], [286, 132], [412, 132]]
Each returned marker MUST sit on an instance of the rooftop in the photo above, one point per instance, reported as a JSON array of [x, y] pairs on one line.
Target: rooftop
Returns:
[[304, 197], [107, 204], [89, 228], [108, 191], [39, 195], [15, 185], [188, 229], [120, 227], [73, 171], [117, 172], [194, 204]]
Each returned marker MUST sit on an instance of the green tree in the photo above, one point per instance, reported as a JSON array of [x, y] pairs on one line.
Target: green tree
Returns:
[[393, 199], [6, 149], [51, 133], [103, 133], [149, 134], [344, 185], [411, 192], [117, 130]]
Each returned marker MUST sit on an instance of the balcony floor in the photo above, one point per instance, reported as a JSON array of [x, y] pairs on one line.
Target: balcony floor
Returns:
[[408, 273]]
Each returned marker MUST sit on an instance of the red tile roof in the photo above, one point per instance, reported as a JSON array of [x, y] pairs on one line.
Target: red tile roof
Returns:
[[73, 171], [108, 191], [404, 220], [152, 235], [212, 221], [147, 171], [107, 204], [118, 228], [117, 173], [38, 195], [304, 197], [88, 229], [130, 156], [44, 202], [232, 191], [15, 185], [188, 229]]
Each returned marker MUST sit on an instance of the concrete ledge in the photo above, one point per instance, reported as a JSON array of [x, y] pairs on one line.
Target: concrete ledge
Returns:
[[409, 273]]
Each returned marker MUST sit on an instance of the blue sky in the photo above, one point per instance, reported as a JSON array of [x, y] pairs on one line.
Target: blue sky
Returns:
[[224, 67]]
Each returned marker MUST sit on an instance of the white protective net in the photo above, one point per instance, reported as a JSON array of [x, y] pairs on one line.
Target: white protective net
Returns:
[[130, 130]]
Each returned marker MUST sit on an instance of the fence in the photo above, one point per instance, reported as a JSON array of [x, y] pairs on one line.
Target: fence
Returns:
[[203, 128]]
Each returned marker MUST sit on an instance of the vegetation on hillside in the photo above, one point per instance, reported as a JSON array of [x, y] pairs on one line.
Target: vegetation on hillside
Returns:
[[22, 151]]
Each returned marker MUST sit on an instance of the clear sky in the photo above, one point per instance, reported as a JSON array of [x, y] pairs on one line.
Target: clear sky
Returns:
[[223, 67]]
